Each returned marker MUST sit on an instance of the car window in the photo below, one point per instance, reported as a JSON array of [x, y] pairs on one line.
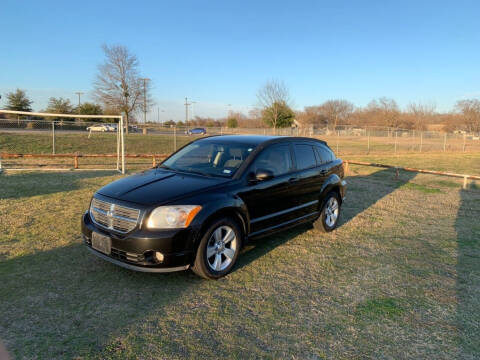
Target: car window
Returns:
[[209, 158], [325, 155], [276, 158], [304, 156]]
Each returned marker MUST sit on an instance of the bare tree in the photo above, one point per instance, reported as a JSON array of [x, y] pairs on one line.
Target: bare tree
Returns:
[[274, 96], [470, 110], [387, 109], [336, 110], [311, 116], [421, 114], [118, 83]]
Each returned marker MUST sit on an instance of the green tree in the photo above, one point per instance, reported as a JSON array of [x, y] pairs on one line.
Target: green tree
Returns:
[[88, 108], [273, 97], [278, 115], [59, 106], [232, 122], [18, 101]]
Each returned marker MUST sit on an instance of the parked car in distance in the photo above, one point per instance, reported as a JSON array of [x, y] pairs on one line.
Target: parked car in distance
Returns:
[[196, 131], [203, 203], [102, 128]]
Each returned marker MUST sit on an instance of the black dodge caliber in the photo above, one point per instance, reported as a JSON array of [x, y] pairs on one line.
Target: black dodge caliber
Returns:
[[203, 203]]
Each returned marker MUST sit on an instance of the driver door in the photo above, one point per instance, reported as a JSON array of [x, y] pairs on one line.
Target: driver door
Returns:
[[269, 201]]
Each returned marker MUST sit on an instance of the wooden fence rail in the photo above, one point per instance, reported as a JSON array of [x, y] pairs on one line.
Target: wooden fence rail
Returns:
[[397, 168], [154, 158], [75, 157]]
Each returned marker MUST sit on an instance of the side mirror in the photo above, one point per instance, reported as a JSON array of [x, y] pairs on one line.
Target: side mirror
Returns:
[[263, 174]]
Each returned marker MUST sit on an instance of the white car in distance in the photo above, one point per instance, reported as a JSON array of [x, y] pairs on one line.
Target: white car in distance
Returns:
[[102, 128]]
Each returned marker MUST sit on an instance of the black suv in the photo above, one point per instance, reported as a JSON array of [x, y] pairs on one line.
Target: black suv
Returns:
[[203, 203]]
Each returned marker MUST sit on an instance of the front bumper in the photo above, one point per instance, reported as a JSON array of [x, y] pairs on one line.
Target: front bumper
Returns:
[[135, 267], [131, 250]]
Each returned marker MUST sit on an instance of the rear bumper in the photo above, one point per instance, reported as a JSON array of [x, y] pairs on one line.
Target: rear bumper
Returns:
[[131, 251], [343, 189]]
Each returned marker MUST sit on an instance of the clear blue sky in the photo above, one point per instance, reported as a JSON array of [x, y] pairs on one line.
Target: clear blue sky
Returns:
[[221, 52]]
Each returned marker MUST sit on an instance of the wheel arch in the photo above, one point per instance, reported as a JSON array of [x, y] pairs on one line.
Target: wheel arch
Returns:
[[231, 212], [333, 183]]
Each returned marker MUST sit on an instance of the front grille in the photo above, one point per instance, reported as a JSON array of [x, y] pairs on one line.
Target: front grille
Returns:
[[113, 216]]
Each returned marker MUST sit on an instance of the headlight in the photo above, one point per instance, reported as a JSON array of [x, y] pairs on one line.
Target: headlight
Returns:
[[172, 217]]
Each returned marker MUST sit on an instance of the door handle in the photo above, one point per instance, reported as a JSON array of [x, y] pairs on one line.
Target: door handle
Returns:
[[323, 172], [292, 180]]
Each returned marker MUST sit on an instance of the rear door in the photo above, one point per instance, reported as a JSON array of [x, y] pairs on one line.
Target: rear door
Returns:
[[327, 160], [308, 179]]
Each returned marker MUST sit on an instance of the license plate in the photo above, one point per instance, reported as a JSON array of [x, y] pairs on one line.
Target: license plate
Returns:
[[101, 243]]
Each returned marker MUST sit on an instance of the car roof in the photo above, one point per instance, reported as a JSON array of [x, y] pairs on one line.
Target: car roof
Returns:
[[254, 140]]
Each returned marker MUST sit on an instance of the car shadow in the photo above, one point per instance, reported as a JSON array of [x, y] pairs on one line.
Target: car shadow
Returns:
[[256, 248], [363, 191], [72, 303], [468, 274], [27, 184]]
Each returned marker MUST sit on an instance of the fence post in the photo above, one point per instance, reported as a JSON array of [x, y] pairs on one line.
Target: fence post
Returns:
[[464, 141], [368, 142], [174, 137], [421, 140], [118, 144], [465, 180], [75, 162], [338, 135], [153, 161], [122, 141], [445, 142], [396, 135], [53, 137]]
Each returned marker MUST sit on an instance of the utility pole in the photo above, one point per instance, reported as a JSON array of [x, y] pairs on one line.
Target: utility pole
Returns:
[[79, 93], [193, 109], [187, 104], [145, 104]]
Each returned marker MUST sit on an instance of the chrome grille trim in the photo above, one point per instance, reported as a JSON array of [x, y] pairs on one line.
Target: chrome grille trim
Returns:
[[112, 216]]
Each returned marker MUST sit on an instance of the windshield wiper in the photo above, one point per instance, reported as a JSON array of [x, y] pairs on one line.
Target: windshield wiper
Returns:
[[162, 166], [193, 171]]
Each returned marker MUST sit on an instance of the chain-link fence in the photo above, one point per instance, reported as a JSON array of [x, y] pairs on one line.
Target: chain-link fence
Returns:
[[59, 144], [344, 139], [89, 145]]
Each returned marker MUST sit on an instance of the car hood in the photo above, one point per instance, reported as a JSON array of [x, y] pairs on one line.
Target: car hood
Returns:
[[157, 186]]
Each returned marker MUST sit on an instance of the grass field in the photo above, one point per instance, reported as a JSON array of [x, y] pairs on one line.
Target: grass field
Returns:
[[399, 279]]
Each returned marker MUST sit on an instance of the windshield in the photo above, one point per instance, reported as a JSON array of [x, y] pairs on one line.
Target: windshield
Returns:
[[210, 159]]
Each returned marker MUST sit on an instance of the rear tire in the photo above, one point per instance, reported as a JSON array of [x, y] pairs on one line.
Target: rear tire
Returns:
[[329, 214], [218, 249]]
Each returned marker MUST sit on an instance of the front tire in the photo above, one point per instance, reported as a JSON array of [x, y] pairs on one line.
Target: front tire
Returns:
[[218, 250], [330, 213]]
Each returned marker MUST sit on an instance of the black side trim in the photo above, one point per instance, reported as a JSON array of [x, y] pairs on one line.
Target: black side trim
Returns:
[[284, 223], [253, 221]]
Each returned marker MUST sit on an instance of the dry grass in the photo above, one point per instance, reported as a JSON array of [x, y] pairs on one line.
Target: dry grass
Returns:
[[399, 279]]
